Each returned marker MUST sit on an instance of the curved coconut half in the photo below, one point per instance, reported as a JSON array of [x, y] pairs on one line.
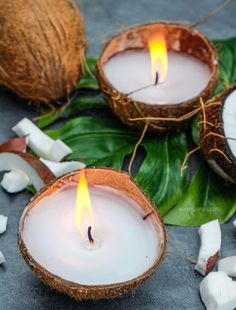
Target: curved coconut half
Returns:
[[42, 47], [179, 38], [37, 172], [105, 177], [218, 135], [16, 180]]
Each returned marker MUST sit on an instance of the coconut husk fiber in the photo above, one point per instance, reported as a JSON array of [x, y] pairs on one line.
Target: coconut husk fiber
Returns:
[[42, 46]]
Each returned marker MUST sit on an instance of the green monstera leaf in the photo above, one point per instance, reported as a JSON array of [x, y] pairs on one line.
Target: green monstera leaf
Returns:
[[208, 198], [106, 143]]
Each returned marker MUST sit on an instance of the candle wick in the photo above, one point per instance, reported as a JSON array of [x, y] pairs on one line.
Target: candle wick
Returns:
[[90, 238], [157, 78]]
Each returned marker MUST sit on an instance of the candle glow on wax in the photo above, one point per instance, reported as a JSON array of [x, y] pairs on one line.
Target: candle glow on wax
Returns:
[[159, 58]]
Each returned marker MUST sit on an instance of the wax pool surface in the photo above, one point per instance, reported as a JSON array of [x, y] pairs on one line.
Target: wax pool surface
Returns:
[[131, 70], [128, 244]]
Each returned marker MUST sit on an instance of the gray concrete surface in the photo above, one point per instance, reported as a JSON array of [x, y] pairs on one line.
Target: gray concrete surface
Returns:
[[175, 285]]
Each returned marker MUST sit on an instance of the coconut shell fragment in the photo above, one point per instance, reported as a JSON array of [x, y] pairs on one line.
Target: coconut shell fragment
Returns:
[[15, 144], [218, 135], [165, 117], [42, 47]]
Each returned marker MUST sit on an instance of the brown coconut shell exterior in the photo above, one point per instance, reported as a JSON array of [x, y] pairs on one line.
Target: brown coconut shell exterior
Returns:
[[42, 47], [97, 176], [179, 38], [214, 124]]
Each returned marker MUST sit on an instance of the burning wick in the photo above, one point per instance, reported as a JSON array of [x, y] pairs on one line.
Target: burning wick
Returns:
[[157, 78], [90, 238]]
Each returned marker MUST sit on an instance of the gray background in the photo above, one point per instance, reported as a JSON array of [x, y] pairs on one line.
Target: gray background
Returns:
[[175, 285]]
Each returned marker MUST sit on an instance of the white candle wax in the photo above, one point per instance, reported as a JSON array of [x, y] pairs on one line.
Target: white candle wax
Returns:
[[131, 70], [125, 247]]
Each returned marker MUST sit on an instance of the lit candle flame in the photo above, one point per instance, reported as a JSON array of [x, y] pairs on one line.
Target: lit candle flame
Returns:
[[84, 213], [159, 58]]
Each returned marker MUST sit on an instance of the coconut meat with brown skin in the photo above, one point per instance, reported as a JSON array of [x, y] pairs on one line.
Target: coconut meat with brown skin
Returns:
[[40, 143], [12, 161], [210, 235], [228, 265], [218, 291], [3, 223], [229, 121], [16, 180]]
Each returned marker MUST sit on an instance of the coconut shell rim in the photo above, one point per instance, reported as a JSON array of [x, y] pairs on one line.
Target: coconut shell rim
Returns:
[[66, 285], [220, 130], [214, 73], [223, 98]]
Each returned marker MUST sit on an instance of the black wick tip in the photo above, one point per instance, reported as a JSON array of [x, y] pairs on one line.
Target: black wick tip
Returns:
[[90, 238], [157, 78]]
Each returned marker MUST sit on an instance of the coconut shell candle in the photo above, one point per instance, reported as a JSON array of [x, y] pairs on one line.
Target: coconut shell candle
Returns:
[[162, 90], [99, 239], [218, 135]]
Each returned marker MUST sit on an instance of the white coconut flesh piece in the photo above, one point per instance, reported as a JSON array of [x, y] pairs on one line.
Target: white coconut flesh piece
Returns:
[[2, 258], [16, 180], [234, 223], [3, 223], [58, 169], [32, 167], [228, 265], [218, 291], [210, 238], [229, 121], [40, 143]]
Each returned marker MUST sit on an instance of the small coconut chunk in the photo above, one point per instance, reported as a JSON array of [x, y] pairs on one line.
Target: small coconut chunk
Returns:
[[15, 181], [58, 151], [2, 258], [40, 143], [218, 291], [210, 235], [3, 223], [234, 223], [228, 265], [58, 169]]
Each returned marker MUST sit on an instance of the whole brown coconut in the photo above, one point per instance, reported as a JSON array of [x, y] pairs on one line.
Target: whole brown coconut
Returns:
[[168, 117], [42, 46], [219, 120]]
